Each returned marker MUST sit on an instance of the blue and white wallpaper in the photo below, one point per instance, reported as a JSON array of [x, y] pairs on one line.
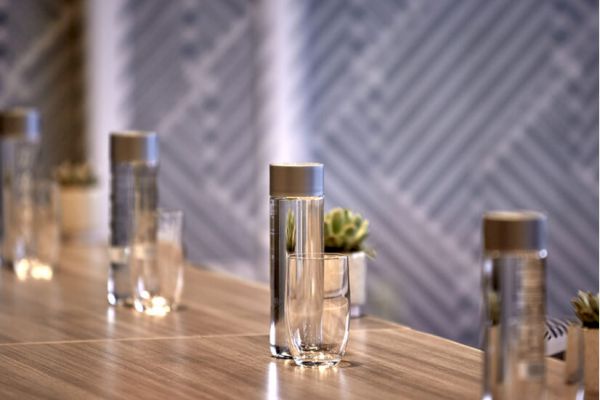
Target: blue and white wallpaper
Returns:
[[426, 113]]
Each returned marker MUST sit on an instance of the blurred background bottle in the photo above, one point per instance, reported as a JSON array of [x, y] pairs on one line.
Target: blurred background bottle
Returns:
[[514, 293], [296, 220], [133, 203], [19, 142]]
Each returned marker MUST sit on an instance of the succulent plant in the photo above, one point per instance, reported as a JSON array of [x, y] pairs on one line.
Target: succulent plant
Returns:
[[586, 308], [68, 174], [290, 232], [493, 309], [345, 231]]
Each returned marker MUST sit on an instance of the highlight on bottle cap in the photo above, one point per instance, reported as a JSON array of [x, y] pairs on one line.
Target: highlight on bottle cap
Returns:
[[301, 179], [20, 121], [514, 230], [134, 146]]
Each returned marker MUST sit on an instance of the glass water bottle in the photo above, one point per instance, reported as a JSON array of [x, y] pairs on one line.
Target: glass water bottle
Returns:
[[134, 200], [19, 142], [296, 213], [514, 293]]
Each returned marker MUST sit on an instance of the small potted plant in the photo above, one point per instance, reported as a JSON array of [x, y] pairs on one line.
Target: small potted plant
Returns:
[[80, 200], [345, 232], [586, 309]]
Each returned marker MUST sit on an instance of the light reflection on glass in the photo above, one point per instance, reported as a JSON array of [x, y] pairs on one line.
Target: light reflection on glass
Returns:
[[157, 306], [322, 372], [32, 268], [334, 377]]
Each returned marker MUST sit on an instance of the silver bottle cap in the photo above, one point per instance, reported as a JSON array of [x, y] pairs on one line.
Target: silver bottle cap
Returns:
[[20, 121], [514, 230], [304, 179], [134, 147]]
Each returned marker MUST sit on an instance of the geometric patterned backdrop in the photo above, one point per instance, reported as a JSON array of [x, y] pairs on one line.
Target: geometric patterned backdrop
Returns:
[[425, 113], [192, 79], [42, 65]]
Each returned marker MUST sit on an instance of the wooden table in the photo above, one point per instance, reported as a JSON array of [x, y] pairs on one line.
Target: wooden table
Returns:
[[59, 339]]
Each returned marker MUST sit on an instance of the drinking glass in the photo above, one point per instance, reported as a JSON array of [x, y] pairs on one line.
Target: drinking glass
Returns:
[[157, 263], [317, 308], [41, 250], [47, 222]]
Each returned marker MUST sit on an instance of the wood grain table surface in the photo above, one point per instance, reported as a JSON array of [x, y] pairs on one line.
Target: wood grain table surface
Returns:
[[59, 339]]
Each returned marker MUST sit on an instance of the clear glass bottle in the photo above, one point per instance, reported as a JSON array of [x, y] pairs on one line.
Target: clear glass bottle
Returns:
[[134, 201], [296, 219], [514, 294], [19, 142]]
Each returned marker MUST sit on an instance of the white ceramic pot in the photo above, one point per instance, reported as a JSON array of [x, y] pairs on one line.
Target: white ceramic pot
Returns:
[[590, 369], [357, 266], [81, 216]]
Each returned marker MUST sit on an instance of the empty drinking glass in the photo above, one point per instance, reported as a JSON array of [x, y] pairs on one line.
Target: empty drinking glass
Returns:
[[317, 308], [41, 250], [156, 263], [47, 222]]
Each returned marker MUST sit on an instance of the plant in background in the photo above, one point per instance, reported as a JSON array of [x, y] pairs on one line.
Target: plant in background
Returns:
[[586, 308], [73, 175], [345, 232], [290, 232], [494, 308]]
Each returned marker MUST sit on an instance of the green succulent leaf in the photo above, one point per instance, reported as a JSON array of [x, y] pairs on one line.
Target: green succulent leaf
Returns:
[[336, 224], [290, 232], [71, 175], [585, 306], [346, 231]]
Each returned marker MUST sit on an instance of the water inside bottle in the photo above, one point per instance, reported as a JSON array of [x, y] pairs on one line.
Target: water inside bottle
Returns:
[[514, 325], [296, 227], [134, 191]]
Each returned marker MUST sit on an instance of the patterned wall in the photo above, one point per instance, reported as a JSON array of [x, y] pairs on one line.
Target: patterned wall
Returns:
[[41, 65], [193, 80], [426, 113]]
